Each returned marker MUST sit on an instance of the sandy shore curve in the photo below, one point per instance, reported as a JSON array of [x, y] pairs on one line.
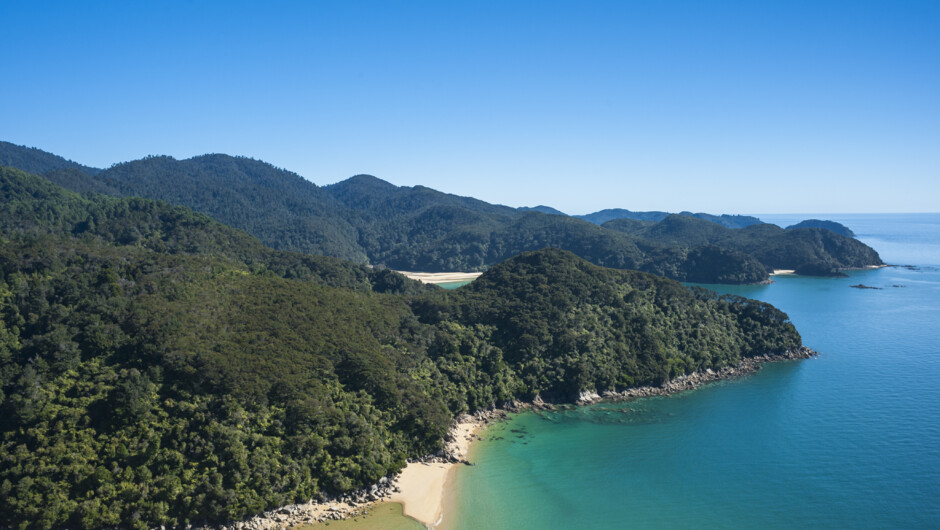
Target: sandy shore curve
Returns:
[[422, 484]]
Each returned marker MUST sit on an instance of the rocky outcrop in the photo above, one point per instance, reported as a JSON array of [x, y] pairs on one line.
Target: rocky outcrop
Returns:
[[587, 396], [694, 380]]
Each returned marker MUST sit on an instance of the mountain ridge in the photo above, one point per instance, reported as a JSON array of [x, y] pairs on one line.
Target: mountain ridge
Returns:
[[368, 220]]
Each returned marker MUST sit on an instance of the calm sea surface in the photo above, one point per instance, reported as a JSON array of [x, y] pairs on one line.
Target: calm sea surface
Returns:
[[848, 440]]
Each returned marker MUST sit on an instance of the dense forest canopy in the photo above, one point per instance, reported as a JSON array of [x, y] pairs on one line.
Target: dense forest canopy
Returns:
[[158, 368], [367, 220]]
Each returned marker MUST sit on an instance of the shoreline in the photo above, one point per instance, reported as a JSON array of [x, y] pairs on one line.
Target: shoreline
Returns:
[[792, 272], [747, 366], [425, 483]]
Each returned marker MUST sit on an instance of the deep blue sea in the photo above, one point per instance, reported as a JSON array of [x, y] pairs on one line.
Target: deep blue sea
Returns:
[[848, 440]]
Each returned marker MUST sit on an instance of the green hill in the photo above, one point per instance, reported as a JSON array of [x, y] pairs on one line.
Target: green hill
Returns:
[[564, 325], [280, 208], [833, 226], [814, 251]]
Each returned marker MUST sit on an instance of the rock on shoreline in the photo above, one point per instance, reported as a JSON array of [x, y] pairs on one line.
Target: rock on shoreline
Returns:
[[694, 380]]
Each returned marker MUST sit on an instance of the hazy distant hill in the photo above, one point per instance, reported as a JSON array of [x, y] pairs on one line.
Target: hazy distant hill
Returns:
[[541, 208], [609, 214], [728, 221], [833, 226]]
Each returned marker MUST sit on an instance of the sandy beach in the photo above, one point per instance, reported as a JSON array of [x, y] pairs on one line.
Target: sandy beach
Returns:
[[422, 484], [420, 489], [782, 271], [441, 277]]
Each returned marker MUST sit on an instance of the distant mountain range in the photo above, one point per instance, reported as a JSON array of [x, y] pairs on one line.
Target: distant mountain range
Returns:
[[367, 220]]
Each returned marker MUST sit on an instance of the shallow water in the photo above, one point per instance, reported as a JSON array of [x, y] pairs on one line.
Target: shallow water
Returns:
[[850, 439], [453, 285]]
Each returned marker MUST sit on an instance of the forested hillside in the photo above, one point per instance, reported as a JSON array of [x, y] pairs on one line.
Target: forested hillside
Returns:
[[157, 368], [810, 250], [31, 205], [282, 209]]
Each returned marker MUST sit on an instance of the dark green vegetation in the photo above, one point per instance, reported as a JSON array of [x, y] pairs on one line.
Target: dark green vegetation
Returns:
[[562, 325], [32, 205], [158, 368], [278, 207], [833, 226], [413, 228], [811, 251]]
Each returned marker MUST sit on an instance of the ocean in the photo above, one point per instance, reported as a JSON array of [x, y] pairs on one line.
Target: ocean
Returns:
[[850, 439]]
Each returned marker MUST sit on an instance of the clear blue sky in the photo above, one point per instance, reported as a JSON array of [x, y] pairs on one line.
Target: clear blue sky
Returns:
[[724, 107]]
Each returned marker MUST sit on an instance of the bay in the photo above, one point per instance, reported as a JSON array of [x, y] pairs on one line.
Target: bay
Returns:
[[850, 439]]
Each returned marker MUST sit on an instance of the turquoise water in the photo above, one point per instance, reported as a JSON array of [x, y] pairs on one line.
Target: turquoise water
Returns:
[[453, 285], [848, 440]]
